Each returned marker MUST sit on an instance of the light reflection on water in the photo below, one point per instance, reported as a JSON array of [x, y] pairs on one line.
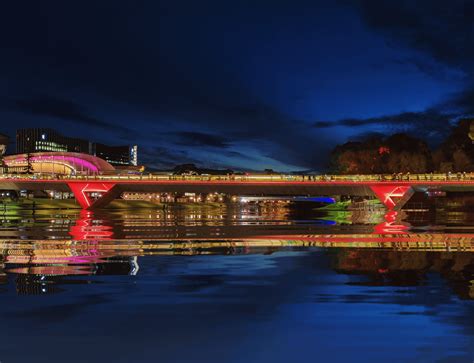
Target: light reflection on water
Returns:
[[235, 285]]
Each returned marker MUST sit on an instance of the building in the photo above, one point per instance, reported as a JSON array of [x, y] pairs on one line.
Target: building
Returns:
[[116, 155], [34, 140], [45, 139], [58, 163]]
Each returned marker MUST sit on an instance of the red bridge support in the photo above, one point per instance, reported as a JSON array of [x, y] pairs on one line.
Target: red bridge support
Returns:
[[86, 229], [393, 196], [82, 191]]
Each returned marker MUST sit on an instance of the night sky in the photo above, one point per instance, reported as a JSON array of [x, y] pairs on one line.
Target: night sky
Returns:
[[241, 84]]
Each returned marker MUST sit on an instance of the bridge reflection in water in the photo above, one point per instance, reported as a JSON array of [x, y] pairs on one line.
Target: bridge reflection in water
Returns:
[[285, 280], [40, 252], [42, 266]]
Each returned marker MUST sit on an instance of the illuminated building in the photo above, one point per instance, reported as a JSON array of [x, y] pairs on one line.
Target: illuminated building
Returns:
[[134, 155], [34, 140], [116, 155], [64, 163], [44, 139]]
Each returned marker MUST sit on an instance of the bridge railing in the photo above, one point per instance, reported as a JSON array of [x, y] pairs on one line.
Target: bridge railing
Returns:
[[252, 177]]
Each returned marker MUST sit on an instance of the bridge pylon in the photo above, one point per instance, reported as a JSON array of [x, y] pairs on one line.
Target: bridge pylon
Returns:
[[108, 191], [393, 196]]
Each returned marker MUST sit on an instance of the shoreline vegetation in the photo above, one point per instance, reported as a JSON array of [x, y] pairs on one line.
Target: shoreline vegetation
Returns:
[[25, 204], [43, 203], [349, 205], [402, 153]]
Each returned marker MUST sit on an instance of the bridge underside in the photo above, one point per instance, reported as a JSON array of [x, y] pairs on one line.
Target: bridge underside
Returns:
[[95, 194], [392, 196]]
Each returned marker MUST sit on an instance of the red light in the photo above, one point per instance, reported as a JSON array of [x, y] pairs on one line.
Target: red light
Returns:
[[80, 191], [384, 150], [386, 193]]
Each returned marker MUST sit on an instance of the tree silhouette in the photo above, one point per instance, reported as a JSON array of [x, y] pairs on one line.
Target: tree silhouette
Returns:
[[29, 163], [399, 153], [456, 153], [3, 167]]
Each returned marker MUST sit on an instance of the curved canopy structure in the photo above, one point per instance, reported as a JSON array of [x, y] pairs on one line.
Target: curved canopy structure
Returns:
[[64, 163]]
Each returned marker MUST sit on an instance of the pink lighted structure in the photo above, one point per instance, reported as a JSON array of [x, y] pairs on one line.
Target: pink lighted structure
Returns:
[[65, 163]]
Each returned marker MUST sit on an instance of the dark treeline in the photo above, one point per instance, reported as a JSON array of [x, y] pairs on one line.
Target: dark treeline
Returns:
[[402, 153]]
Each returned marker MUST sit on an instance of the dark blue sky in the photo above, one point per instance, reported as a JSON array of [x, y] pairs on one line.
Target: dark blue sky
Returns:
[[241, 84]]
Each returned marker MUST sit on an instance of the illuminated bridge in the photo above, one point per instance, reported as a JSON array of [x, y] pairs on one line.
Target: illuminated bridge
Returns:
[[96, 192]]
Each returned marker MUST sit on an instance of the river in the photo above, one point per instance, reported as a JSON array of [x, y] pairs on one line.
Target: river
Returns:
[[232, 283]]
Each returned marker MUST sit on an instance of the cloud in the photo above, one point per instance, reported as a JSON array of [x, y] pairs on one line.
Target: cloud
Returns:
[[162, 157], [462, 102], [411, 119], [442, 40], [169, 76], [429, 26], [192, 88], [49, 106], [166, 158], [180, 79], [432, 123], [236, 154], [193, 138]]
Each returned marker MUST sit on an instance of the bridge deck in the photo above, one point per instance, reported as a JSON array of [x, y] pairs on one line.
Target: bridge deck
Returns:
[[389, 192]]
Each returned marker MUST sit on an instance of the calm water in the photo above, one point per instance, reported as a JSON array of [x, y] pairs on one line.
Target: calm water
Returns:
[[230, 284]]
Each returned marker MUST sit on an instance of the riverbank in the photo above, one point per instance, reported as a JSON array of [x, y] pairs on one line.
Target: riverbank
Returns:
[[348, 205], [42, 203]]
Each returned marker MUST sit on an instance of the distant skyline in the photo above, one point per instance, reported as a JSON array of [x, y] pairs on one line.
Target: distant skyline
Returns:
[[238, 84]]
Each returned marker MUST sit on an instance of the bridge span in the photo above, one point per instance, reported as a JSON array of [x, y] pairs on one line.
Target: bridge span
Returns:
[[393, 194]]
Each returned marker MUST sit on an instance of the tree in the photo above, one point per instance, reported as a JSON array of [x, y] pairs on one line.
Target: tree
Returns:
[[408, 154], [29, 163], [3, 167], [456, 153], [376, 155], [461, 161]]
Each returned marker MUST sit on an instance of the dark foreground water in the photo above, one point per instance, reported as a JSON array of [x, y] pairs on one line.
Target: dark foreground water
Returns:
[[235, 285]]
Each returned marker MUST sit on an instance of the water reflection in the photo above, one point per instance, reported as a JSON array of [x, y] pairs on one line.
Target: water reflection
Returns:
[[196, 222], [384, 260], [409, 268], [290, 280]]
